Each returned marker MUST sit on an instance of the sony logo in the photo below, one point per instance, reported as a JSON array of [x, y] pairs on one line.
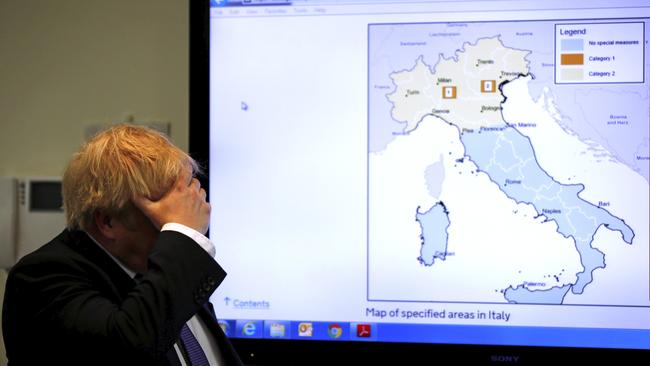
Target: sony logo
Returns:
[[504, 358]]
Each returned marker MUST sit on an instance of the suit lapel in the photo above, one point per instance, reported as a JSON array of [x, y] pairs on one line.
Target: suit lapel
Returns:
[[228, 352], [121, 283]]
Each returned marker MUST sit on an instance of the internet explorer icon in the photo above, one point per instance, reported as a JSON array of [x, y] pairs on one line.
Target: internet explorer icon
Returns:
[[248, 329]]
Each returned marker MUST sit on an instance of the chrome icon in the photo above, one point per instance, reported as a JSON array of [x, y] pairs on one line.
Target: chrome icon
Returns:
[[334, 331]]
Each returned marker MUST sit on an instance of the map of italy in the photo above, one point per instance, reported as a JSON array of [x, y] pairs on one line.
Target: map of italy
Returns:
[[462, 89], [479, 184]]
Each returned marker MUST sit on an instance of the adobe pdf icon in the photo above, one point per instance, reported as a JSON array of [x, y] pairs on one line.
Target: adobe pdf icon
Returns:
[[363, 330]]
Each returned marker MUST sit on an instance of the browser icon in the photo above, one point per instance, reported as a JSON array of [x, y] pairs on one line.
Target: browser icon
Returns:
[[249, 329], [335, 331]]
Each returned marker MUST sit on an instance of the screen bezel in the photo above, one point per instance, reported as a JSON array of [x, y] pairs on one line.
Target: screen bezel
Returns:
[[287, 352]]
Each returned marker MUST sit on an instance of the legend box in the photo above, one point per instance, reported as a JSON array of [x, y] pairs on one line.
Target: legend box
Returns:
[[599, 53]]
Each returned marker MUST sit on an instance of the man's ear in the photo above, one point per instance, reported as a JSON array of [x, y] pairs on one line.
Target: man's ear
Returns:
[[104, 223]]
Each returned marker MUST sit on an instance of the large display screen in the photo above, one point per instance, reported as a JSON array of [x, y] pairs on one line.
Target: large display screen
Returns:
[[444, 172]]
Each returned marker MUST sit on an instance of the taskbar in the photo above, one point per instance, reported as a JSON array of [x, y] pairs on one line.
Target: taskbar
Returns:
[[438, 333]]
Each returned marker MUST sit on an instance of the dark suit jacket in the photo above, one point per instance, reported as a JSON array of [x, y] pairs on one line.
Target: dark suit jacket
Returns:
[[69, 303]]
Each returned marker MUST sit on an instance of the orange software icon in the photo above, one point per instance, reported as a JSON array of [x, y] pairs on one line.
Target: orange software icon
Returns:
[[448, 92], [305, 330]]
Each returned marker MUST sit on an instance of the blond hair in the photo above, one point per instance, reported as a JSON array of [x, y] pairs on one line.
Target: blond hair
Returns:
[[117, 165]]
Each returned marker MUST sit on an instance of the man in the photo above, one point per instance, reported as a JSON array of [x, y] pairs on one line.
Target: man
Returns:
[[131, 275]]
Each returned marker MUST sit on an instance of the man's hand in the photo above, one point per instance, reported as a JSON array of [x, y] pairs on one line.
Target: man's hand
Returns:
[[184, 204]]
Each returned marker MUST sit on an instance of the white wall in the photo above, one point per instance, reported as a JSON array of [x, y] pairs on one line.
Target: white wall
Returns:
[[68, 64]]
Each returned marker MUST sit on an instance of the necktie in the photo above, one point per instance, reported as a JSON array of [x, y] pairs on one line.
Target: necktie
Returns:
[[193, 348]]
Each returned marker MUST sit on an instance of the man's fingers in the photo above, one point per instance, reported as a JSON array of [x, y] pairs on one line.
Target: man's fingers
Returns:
[[186, 178], [185, 203], [148, 208], [195, 184]]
